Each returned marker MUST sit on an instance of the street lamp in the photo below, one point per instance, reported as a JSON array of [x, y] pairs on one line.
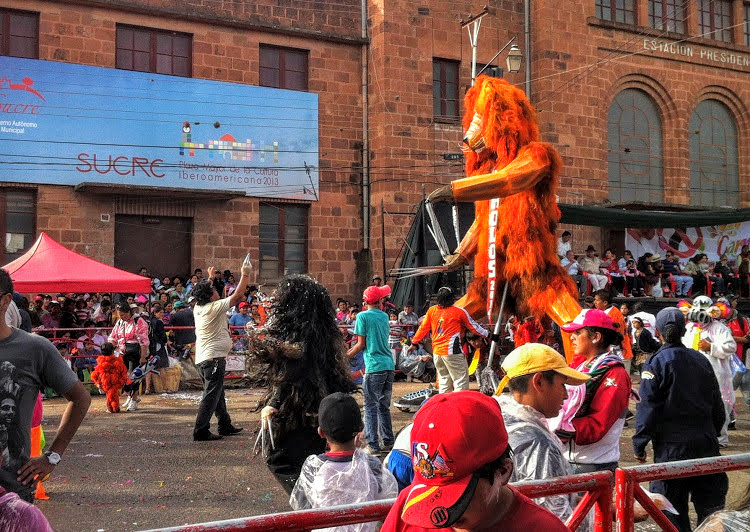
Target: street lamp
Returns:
[[514, 59]]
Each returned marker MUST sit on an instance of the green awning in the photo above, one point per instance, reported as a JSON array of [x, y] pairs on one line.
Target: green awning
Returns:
[[420, 248], [621, 218]]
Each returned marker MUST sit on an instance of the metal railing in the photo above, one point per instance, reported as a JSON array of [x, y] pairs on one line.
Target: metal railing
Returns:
[[598, 488], [628, 489]]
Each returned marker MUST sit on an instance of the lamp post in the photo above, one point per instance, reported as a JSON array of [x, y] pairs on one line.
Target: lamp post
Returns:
[[513, 61]]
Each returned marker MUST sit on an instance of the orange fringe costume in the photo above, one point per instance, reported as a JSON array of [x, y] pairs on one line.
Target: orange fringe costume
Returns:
[[512, 180], [110, 374]]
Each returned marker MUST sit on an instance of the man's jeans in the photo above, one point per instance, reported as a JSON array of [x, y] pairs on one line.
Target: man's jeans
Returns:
[[378, 389], [212, 402], [683, 284]]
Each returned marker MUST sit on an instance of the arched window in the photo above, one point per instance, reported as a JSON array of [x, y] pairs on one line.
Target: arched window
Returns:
[[714, 177], [635, 149]]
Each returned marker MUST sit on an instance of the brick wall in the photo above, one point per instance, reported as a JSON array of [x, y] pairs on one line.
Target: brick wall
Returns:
[[75, 220], [572, 112], [407, 143], [574, 115], [77, 33]]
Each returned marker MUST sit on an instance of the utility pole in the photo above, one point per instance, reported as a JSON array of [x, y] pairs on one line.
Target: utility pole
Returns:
[[472, 25]]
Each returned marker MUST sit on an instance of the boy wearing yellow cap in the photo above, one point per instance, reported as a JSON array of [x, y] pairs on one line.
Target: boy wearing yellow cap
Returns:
[[536, 375]]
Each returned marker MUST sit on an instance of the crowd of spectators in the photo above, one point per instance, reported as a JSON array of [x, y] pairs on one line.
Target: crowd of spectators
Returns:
[[78, 324], [652, 275], [605, 340]]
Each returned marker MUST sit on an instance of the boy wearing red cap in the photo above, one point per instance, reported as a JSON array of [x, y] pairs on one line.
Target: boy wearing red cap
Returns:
[[372, 330], [462, 465]]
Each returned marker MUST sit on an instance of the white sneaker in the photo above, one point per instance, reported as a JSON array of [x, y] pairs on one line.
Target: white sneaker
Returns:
[[132, 407]]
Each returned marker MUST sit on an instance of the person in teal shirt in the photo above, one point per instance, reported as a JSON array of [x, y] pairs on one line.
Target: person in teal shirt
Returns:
[[372, 330]]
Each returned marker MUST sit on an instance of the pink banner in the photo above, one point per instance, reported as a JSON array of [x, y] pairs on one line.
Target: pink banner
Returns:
[[713, 240]]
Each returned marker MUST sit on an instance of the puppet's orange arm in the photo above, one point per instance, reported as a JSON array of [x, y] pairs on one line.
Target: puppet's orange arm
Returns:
[[521, 174], [468, 246]]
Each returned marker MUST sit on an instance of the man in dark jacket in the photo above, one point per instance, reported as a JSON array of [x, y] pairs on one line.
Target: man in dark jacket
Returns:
[[681, 412]]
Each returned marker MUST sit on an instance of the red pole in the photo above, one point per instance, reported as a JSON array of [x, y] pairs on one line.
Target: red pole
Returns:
[[603, 510], [581, 511], [658, 516], [624, 501]]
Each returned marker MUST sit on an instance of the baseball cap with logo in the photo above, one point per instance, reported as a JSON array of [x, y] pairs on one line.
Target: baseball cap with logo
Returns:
[[590, 318], [534, 358], [373, 294], [453, 436], [244, 304]]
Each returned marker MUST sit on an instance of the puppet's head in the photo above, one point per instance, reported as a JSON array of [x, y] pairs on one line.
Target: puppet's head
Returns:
[[498, 120], [702, 310]]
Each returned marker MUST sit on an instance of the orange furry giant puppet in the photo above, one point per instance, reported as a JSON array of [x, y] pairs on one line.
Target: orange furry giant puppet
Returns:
[[512, 180]]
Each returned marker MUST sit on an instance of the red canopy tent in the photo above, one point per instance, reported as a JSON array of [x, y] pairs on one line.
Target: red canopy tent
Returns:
[[50, 267]]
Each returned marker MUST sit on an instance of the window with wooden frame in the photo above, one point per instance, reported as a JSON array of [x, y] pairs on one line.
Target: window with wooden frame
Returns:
[[714, 156], [19, 34], [17, 223], [747, 24], [667, 15], [715, 19], [283, 240], [152, 50], [616, 11], [445, 103], [283, 68], [636, 170]]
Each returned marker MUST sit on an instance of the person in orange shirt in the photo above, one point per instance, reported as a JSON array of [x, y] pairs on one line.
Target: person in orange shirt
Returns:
[[602, 301], [447, 324]]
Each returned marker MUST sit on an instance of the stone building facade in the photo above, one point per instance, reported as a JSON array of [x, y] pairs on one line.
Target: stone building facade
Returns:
[[635, 98]]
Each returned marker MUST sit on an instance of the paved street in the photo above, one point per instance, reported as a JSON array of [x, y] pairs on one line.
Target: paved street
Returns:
[[142, 470]]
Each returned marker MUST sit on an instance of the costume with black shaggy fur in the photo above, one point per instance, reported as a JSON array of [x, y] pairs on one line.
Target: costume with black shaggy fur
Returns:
[[306, 358]]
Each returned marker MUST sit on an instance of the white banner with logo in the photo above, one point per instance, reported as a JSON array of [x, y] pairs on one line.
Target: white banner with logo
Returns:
[[713, 240]]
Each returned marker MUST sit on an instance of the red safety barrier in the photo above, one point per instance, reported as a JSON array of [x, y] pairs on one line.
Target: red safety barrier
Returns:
[[628, 489], [598, 488]]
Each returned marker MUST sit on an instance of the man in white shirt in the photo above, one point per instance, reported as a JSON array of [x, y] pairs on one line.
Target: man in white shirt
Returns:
[[564, 245], [591, 264], [575, 271], [212, 345]]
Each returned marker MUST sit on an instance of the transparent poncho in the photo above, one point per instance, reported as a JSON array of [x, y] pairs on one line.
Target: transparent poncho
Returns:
[[326, 482]]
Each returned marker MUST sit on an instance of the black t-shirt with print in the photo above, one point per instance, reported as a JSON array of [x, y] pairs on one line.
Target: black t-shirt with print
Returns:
[[28, 364]]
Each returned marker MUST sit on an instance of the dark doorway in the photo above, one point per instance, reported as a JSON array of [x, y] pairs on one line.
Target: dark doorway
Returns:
[[160, 243]]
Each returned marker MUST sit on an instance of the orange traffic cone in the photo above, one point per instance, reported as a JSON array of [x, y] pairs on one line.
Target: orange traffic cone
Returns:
[[36, 450]]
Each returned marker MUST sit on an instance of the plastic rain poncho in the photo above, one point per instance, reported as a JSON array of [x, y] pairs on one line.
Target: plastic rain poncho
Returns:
[[537, 453], [326, 482], [411, 363]]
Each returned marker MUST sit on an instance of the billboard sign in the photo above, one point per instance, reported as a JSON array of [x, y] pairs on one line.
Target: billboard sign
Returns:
[[67, 124], [714, 241]]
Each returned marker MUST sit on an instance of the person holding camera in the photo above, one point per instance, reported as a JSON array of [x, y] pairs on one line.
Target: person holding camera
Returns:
[[212, 345]]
